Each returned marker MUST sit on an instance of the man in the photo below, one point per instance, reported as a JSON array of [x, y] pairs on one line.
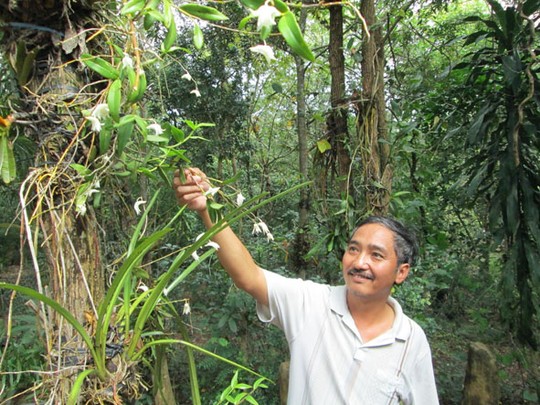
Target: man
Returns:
[[349, 344]]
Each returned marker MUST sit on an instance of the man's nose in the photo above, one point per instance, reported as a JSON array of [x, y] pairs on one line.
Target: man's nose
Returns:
[[361, 261]]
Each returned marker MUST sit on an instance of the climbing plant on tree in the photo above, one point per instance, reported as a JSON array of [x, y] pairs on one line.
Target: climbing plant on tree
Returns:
[[80, 68]]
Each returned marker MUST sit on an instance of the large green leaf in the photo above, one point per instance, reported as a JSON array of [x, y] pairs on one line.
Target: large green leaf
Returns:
[[108, 304], [171, 37], [132, 7], [289, 28], [100, 66], [203, 12], [255, 4], [114, 98], [8, 167]]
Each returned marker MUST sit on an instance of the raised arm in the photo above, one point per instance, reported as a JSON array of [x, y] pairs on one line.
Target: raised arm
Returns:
[[232, 254]]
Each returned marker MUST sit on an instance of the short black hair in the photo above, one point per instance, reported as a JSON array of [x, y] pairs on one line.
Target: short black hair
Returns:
[[405, 242]]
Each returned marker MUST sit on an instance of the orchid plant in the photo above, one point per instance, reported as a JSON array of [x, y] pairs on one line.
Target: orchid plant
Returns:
[[114, 124]]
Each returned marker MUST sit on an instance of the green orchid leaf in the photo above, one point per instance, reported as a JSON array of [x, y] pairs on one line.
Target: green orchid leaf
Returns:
[[77, 385], [104, 141], [132, 7], [124, 133], [203, 12], [252, 4], [68, 316], [7, 160], [288, 26], [198, 37], [114, 98], [244, 22], [100, 66], [170, 38]]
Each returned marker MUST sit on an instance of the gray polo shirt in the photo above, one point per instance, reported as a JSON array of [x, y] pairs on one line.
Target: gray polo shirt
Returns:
[[331, 365]]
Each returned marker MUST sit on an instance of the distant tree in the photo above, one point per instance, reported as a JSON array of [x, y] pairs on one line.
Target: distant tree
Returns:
[[371, 125], [503, 132]]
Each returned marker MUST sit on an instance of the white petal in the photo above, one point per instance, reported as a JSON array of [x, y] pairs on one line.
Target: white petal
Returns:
[[269, 237], [196, 92], [266, 15], [264, 50], [127, 62], [101, 111], [96, 125], [195, 255], [240, 199], [156, 128], [211, 191], [138, 204], [256, 229], [213, 245], [143, 287], [81, 209], [187, 308], [187, 76], [264, 228]]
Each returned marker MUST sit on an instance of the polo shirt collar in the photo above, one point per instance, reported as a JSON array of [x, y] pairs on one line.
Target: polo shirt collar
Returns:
[[400, 329]]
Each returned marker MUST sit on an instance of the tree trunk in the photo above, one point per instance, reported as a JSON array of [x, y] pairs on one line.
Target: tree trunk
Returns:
[[76, 282], [41, 40], [301, 244], [163, 392], [371, 120], [336, 122]]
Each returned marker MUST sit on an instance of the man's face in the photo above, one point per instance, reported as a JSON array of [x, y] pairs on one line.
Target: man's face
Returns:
[[370, 266]]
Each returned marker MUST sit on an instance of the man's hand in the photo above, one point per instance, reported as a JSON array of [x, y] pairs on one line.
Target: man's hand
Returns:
[[190, 188]]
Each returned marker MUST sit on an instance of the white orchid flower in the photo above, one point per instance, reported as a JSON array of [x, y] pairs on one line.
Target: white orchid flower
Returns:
[[142, 287], [138, 204], [261, 227], [96, 124], [213, 244], [265, 51], [156, 128], [266, 15], [101, 111], [187, 76], [127, 62], [211, 191], [264, 228], [196, 92], [240, 199], [187, 308], [81, 209]]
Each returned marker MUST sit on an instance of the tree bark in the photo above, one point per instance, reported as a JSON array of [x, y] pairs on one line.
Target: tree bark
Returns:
[[301, 244], [338, 133], [41, 40], [371, 120]]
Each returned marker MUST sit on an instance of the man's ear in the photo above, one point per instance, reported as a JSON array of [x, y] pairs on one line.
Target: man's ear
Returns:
[[402, 272]]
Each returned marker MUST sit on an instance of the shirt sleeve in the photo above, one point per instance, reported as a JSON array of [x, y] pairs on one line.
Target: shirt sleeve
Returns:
[[423, 388], [288, 302]]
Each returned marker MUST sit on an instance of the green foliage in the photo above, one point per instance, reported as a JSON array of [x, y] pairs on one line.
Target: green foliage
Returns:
[[238, 392], [201, 84], [505, 166], [24, 352]]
